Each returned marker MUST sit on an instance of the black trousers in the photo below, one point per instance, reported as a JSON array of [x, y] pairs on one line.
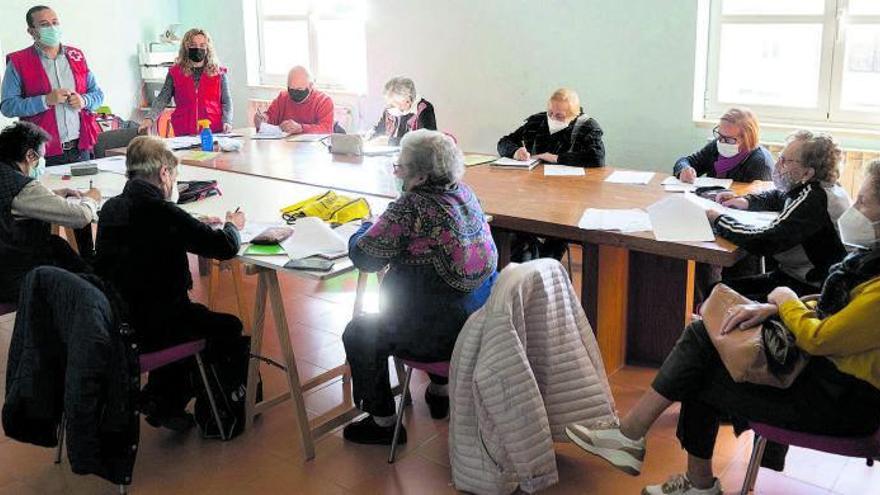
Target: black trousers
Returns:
[[85, 239], [821, 400], [367, 348], [172, 387]]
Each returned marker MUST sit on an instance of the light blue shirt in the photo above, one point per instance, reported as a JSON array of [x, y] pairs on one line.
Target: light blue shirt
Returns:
[[14, 104]]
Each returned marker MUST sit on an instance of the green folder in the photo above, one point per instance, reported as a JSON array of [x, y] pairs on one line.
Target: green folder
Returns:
[[264, 250]]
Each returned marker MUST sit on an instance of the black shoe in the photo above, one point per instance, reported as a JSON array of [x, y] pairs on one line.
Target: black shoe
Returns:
[[437, 404], [366, 431], [774, 456], [180, 422]]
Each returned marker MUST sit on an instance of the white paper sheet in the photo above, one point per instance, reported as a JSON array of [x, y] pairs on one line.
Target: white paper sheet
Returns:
[[672, 184], [562, 170], [629, 177], [633, 220], [307, 138], [269, 131], [112, 164], [312, 236], [375, 149], [676, 219], [756, 218]]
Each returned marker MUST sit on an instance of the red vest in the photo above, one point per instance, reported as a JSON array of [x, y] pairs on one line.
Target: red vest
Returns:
[[35, 82], [194, 103]]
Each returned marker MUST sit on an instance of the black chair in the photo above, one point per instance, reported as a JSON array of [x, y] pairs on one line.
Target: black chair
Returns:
[[117, 138]]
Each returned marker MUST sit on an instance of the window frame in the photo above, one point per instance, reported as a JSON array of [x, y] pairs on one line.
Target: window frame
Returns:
[[312, 18], [828, 111]]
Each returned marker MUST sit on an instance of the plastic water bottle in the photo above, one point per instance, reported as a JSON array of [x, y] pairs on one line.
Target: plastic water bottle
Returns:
[[206, 135]]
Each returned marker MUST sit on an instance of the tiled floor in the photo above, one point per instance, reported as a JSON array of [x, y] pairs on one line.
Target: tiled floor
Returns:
[[268, 458]]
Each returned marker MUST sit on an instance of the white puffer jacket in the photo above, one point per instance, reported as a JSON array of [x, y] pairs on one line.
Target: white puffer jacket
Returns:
[[525, 365]]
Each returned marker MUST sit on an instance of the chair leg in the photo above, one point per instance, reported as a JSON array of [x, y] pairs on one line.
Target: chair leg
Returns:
[[399, 421], [210, 395], [62, 427], [754, 465], [123, 490], [401, 377]]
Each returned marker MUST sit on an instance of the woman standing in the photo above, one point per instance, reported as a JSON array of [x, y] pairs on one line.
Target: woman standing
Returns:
[[199, 86]]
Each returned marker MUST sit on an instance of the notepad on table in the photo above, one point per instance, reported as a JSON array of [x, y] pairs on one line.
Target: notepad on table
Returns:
[[515, 164], [269, 131], [629, 177], [307, 138], [264, 250]]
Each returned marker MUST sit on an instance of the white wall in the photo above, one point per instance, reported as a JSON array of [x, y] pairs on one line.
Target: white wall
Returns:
[[487, 64], [107, 31]]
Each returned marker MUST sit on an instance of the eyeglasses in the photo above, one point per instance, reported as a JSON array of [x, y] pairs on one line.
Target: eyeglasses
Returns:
[[782, 160], [396, 167], [716, 133]]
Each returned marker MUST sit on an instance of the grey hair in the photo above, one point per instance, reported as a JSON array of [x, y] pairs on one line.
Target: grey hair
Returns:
[[401, 86], [433, 154], [821, 153], [300, 68], [872, 174], [145, 157]]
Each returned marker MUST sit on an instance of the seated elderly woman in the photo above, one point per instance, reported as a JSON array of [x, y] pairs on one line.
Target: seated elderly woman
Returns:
[[405, 111], [733, 154], [563, 134], [837, 393], [441, 262], [804, 239], [28, 209], [142, 246]]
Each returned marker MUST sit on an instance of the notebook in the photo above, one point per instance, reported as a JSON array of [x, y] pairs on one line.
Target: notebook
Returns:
[[515, 164]]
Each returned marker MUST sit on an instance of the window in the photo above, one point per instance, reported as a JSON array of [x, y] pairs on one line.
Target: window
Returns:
[[326, 36], [810, 61]]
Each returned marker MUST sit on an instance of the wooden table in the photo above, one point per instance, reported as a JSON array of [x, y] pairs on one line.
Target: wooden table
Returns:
[[261, 199], [637, 292]]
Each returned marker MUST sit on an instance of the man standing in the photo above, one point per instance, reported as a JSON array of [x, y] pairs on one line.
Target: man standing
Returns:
[[50, 84], [301, 109]]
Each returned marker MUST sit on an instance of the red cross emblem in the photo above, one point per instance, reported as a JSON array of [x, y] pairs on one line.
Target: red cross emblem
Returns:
[[75, 55]]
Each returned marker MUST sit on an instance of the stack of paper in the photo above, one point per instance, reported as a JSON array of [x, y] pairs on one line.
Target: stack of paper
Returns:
[[671, 184], [628, 177], [471, 159], [634, 220], [551, 169], [182, 142], [515, 164], [676, 219], [269, 131]]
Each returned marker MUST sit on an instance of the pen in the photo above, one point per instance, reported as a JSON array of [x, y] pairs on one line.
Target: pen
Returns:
[[90, 185], [237, 209]]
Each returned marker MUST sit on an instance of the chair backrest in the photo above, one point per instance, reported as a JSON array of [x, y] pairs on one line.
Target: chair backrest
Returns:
[[338, 129], [118, 138]]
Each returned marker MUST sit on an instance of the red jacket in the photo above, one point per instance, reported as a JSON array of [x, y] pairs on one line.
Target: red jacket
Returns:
[[315, 114], [194, 103], [35, 82]]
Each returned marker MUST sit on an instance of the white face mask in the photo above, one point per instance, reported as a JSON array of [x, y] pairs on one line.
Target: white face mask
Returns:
[[556, 125], [856, 229], [175, 194], [727, 150], [399, 185]]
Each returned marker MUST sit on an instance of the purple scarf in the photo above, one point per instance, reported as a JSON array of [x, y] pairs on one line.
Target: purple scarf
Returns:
[[725, 165]]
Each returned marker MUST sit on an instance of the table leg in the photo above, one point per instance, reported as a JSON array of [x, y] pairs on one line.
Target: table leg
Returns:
[[604, 297], [296, 393], [661, 295], [256, 348], [503, 239]]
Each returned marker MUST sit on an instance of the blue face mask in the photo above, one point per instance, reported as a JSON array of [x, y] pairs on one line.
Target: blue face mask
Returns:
[[50, 35], [39, 170]]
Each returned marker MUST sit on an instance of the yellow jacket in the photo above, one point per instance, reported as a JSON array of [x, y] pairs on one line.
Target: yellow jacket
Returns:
[[850, 338]]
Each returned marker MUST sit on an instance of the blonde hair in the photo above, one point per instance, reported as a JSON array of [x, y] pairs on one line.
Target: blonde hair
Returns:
[[212, 65], [145, 157], [747, 122], [569, 97]]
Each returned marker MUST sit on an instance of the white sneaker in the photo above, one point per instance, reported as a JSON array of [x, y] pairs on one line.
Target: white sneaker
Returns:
[[606, 441], [681, 485]]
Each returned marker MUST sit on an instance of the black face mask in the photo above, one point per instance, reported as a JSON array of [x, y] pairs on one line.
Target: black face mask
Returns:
[[298, 95], [196, 54]]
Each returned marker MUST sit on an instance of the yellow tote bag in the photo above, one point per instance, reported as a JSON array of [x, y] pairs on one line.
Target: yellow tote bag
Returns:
[[330, 207]]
